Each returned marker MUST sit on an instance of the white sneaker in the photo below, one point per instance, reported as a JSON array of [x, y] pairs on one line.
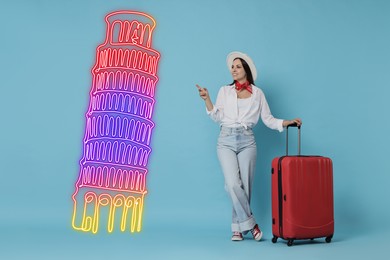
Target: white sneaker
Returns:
[[237, 236], [256, 233]]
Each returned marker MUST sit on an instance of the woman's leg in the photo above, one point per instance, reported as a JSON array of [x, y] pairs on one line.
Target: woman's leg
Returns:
[[247, 162], [242, 215]]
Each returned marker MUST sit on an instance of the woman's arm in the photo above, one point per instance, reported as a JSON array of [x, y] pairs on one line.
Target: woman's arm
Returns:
[[270, 121], [204, 94]]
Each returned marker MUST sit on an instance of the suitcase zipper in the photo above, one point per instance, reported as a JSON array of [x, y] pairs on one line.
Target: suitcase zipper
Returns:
[[280, 196]]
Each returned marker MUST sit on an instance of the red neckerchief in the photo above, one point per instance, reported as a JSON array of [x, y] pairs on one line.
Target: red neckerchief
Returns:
[[245, 85]]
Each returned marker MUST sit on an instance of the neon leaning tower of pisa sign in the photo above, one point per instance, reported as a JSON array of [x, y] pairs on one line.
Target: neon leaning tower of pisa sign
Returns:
[[111, 185]]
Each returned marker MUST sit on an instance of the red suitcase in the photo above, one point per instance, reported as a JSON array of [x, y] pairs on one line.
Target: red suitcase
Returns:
[[302, 196]]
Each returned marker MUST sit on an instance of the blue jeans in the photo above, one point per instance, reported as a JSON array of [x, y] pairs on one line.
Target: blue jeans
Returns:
[[237, 152]]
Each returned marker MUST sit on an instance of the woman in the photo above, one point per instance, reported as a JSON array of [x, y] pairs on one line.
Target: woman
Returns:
[[237, 109]]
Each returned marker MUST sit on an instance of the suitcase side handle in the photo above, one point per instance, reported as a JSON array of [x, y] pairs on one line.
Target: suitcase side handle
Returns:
[[299, 137]]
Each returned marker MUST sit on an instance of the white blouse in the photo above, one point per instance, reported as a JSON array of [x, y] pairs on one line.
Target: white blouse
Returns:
[[226, 110]]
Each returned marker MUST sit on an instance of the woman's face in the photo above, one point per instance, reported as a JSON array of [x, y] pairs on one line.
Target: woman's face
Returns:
[[238, 72]]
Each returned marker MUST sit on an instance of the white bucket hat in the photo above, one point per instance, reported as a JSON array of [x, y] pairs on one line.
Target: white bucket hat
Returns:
[[236, 54]]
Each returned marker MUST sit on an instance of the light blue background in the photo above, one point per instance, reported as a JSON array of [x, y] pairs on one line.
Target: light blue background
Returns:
[[325, 61]]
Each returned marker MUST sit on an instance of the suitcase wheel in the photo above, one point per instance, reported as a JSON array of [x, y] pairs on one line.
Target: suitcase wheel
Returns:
[[274, 239], [328, 239], [290, 242]]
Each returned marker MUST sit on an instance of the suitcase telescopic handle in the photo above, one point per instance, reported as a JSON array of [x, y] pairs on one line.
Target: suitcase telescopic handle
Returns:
[[299, 137]]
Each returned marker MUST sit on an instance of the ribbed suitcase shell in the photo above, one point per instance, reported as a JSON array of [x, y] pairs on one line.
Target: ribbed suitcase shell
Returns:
[[302, 198]]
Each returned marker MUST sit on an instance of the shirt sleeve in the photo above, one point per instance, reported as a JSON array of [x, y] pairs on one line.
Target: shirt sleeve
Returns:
[[268, 119], [216, 113]]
